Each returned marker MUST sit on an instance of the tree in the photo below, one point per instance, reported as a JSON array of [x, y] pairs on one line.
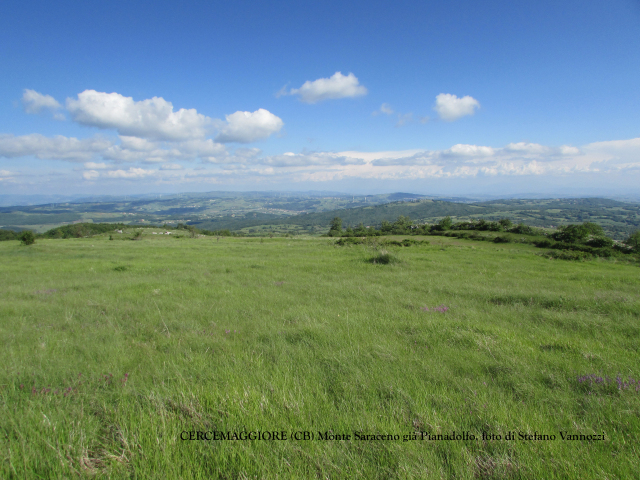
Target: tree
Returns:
[[336, 227], [593, 229], [571, 234], [505, 222], [402, 225], [360, 231], [445, 223], [634, 241], [27, 237], [386, 227]]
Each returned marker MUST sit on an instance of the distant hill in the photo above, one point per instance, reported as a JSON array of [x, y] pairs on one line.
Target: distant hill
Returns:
[[311, 212], [617, 218]]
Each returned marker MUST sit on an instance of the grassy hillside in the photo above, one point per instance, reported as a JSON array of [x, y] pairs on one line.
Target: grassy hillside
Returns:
[[114, 350]]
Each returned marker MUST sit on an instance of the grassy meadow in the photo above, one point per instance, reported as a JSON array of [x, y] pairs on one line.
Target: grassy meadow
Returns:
[[112, 350]]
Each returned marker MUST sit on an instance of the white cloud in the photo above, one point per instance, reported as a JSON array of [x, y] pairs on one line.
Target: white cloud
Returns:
[[90, 174], [132, 173], [202, 148], [461, 150], [450, 108], [246, 127], [95, 166], [35, 102], [337, 86], [524, 147], [150, 119], [171, 166], [384, 108], [139, 144], [59, 147], [569, 150]]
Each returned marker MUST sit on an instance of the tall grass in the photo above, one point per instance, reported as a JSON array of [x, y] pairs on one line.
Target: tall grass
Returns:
[[110, 350]]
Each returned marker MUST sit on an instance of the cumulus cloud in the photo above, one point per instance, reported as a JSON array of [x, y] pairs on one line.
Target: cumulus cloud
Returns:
[[59, 147], [337, 86], [247, 127], [449, 107], [569, 150], [462, 150], [152, 119], [35, 102]]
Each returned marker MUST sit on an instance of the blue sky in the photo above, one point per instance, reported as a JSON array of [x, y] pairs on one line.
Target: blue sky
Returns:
[[451, 97]]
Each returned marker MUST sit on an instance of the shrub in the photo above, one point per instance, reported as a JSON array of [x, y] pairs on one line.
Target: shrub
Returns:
[[543, 243], [445, 224], [348, 241], [522, 229], [501, 240], [384, 258], [577, 233], [634, 241], [8, 235], [570, 234], [477, 237], [27, 237], [494, 227], [600, 242]]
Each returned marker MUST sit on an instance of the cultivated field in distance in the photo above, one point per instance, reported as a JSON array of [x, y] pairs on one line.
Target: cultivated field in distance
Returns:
[[114, 352]]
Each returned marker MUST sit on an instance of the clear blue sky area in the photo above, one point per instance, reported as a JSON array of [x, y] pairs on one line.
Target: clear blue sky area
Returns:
[[475, 96]]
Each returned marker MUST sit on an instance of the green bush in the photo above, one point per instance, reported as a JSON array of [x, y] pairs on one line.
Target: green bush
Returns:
[[522, 229], [600, 242], [577, 233], [8, 235], [445, 224], [27, 237], [544, 243], [634, 241]]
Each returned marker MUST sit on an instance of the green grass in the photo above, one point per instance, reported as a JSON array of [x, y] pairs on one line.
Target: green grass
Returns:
[[155, 337]]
